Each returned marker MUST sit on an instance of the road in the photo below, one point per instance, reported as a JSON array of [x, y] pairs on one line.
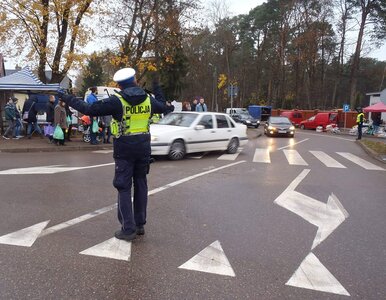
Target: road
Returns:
[[284, 218]]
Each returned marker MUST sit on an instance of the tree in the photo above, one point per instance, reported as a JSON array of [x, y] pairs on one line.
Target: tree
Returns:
[[53, 30], [371, 11]]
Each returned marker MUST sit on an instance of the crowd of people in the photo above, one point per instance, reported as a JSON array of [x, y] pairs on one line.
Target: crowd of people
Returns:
[[59, 115]]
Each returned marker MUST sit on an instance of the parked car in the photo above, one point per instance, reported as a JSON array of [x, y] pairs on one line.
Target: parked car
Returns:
[[279, 126], [320, 119], [294, 116], [246, 119], [179, 133]]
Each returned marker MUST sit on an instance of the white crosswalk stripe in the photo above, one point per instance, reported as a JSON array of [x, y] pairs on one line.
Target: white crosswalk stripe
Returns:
[[227, 156], [294, 158], [262, 156], [359, 161], [327, 160]]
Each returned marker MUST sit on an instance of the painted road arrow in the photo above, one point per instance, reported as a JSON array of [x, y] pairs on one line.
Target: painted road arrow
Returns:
[[210, 260], [112, 248], [47, 169], [312, 275], [327, 217]]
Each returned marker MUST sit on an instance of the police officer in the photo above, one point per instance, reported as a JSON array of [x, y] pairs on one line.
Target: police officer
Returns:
[[131, 109], [360, 119]]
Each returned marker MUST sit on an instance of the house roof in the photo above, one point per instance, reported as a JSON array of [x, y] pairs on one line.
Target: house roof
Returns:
[[25, 80]]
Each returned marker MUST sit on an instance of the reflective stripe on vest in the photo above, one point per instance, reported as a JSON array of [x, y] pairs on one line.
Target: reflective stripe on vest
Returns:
[[359, 117], [135, 118]]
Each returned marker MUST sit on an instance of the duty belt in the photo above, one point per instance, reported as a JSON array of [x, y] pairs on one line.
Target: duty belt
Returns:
[[135, 133]]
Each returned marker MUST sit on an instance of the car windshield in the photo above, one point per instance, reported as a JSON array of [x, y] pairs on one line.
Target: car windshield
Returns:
[[178, 119], [245, 116], [280, 120]]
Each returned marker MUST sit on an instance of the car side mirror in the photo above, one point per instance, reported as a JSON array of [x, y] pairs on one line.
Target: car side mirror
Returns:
[[199, 127]]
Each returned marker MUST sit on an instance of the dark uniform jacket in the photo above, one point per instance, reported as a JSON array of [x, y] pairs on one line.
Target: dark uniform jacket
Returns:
[[134, 95]]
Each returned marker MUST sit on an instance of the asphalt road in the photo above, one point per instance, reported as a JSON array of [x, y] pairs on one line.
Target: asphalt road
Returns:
[[298, 218]]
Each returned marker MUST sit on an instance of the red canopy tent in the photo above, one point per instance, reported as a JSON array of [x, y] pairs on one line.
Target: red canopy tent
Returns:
[[379, 107]]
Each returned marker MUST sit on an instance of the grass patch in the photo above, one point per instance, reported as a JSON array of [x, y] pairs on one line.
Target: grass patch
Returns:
[[378, 147]]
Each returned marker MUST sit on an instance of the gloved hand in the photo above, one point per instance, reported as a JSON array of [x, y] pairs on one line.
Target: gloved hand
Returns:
[[61, 93]]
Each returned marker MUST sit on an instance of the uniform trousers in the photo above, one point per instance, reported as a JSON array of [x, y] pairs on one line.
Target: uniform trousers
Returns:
[[129, 171]]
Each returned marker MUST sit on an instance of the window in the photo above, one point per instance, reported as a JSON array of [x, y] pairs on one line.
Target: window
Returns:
[[206, 121], [222, 122]]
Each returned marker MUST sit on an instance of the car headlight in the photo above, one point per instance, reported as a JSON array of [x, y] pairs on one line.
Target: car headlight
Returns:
[[271, 128], [154, 138], [292, 128], [248, 121]]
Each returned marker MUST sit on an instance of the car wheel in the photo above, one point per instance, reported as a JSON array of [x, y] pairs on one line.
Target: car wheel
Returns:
[[302, 127], [233, 146], [177, 150]]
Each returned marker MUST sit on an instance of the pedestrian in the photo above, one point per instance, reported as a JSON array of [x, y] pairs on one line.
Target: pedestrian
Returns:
[[29, 115], [19, 123], [105, 125], [60, 119], [186, 106], [67, 135], [194, 104], [131, 109], [50, 113], [377, 121], [360, 119], [10, 117], [92, 98], [201, 106]]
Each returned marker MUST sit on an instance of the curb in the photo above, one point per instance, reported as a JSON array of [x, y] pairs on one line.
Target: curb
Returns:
[[371, 152], [56, 149]]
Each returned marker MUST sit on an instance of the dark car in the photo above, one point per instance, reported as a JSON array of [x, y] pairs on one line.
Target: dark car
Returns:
[[246, 119], [279, 126]]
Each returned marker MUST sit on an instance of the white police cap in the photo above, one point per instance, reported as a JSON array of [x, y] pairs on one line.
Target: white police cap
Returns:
[[124, 75]]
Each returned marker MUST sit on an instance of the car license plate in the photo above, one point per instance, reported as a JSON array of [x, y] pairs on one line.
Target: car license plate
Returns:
[[282, 131]]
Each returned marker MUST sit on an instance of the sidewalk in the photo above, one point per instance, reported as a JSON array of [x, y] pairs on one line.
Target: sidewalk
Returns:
[[38, 144]]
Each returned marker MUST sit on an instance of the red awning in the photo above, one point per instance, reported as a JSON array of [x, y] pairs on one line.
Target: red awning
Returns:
[[379, 107]]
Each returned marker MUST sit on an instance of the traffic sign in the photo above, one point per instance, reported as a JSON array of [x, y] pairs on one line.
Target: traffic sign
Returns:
[[346, 107]]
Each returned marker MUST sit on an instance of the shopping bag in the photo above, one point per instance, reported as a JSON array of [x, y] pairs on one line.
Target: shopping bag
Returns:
[[95, 126], [58, 133], [48, 130], [69, 121], [25, 116]]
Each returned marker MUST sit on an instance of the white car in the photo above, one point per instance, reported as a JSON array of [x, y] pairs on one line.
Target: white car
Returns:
[[179, 133]]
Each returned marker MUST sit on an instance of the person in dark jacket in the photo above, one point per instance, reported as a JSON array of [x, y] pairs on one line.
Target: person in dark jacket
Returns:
[[50, 113], [131, 109], [29, 107], [10, 117]]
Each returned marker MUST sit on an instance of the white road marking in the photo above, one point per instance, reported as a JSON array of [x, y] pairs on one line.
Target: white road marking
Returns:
[[227, 156], [112, 248], [294, 158], [103, 151], [327, 217], [210, 260], [327, 160], [313, 275], [13, 237], [24, 237], [262, 156], [291, 145], [359, 161], [48, 169]]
